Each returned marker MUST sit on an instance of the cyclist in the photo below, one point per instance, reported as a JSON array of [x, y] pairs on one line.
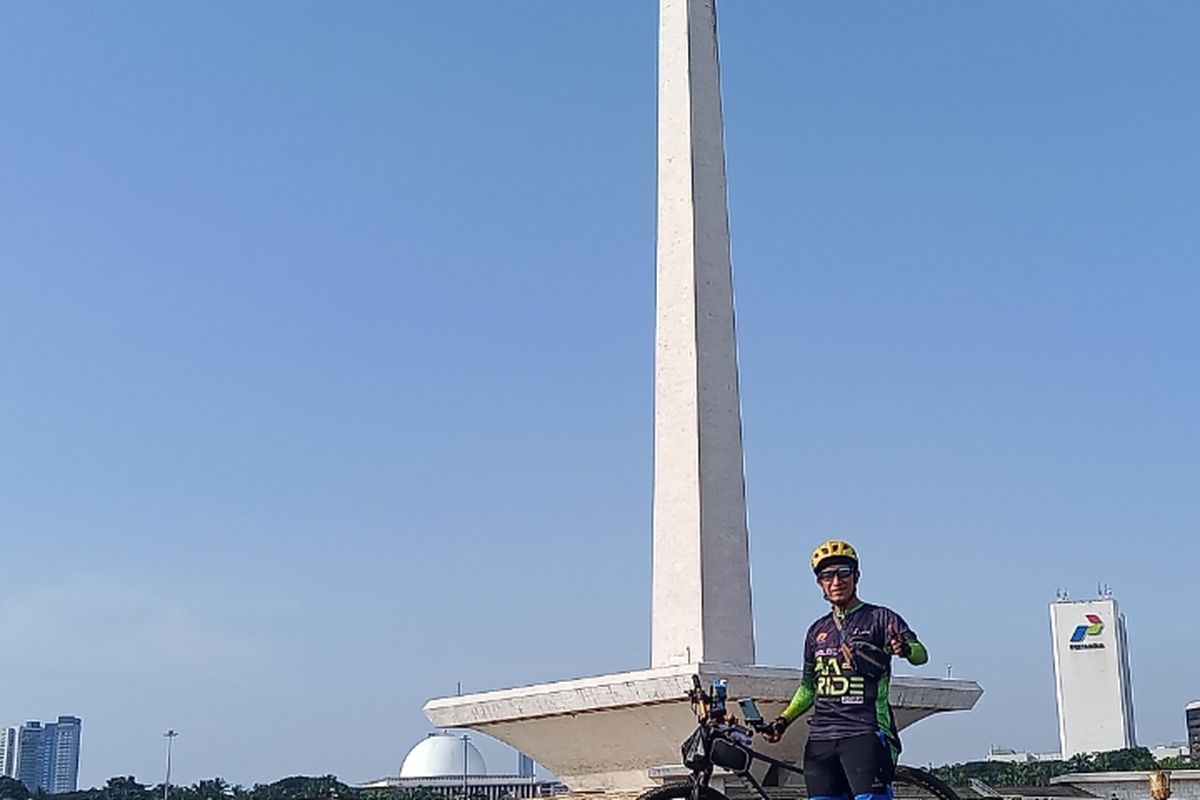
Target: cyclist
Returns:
[[852, 741]]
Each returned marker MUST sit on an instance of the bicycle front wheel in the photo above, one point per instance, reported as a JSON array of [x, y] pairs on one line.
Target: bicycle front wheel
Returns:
[[683, 790], [912, 783]]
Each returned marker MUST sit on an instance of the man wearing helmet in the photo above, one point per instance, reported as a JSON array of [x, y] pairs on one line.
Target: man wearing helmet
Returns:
[[852, 740]]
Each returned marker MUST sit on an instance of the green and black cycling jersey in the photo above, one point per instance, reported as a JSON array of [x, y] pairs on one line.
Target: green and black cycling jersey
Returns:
[[848, 699]]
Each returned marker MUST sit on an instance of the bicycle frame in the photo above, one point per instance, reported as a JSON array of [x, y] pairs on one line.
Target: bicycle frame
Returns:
[[775, 763], [721, 732]]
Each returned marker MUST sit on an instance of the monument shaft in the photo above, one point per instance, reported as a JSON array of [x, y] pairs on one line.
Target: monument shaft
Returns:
[[606, 732], [701, 595]]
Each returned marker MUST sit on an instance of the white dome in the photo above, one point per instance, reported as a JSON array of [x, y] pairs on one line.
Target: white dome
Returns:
[[441, 755]]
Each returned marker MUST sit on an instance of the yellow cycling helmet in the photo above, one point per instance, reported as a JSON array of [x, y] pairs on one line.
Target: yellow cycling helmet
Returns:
[[834, 549]]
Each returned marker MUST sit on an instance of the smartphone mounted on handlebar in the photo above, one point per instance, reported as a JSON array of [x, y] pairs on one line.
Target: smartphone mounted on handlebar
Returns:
[[751, 714], [711, 705]]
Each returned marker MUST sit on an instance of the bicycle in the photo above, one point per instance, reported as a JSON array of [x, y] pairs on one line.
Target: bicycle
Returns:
[[719, 741]]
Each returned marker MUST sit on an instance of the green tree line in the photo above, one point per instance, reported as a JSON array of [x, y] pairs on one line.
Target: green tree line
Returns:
[[999, 774], [298, 787]]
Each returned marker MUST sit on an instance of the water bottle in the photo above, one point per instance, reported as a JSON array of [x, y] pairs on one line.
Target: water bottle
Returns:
[[719, 692]]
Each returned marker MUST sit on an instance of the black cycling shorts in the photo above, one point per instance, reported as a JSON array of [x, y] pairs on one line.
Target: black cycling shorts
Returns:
[[857, 765]]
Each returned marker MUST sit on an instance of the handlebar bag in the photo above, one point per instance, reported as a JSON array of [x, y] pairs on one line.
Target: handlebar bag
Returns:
[[731, 756], [695, 751]]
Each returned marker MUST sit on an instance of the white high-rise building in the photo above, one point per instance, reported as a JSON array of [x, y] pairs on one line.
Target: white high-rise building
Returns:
[[1091, 671], [8, 752]]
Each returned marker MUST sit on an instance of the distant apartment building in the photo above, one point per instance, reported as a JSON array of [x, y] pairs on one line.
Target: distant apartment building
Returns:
[[1010, 756], [8, 751], [1165, 751], [1193, 727], [41, 756], [31, 745], [60, 761]]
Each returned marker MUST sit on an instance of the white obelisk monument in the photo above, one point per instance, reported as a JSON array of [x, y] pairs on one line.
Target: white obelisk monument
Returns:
[[701, 594], [611, 732]]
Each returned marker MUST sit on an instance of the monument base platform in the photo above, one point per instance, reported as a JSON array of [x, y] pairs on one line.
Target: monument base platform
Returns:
[[615, 732]]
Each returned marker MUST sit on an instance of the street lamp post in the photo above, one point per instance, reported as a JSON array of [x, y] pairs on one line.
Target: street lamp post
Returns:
[[170, 737], [466, 744]]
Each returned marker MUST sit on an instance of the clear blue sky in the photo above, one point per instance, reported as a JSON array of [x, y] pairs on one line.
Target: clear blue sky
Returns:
[[327, 335]]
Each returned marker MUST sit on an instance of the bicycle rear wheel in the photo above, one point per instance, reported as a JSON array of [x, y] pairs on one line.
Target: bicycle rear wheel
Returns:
[[912, 783], [682, 790]]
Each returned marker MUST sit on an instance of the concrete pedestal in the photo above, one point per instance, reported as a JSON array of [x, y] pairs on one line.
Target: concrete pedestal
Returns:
[[608, 733]]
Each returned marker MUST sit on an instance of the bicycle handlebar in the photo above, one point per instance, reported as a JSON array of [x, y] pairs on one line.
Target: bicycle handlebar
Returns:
[[714, 712]]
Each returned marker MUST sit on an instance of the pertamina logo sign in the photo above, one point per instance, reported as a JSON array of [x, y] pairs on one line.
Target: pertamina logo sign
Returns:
[[1093, 628]]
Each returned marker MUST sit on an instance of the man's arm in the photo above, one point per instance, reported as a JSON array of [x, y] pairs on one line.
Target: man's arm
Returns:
[[802, 700], [904, 643], [917, 654]]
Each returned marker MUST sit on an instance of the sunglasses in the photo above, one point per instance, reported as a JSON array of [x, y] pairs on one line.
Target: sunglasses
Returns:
[[827, 575]]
